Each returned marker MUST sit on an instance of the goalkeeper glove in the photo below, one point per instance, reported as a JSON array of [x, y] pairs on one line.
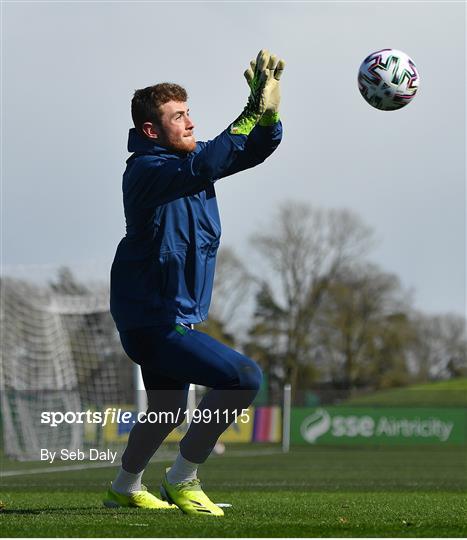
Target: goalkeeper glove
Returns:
[[270, 93], [256, 105]]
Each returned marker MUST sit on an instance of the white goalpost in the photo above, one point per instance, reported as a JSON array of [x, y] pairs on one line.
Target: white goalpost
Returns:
[[286, 411]]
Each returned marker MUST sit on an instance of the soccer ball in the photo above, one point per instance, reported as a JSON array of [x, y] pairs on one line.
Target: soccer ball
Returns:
[[388, 79]]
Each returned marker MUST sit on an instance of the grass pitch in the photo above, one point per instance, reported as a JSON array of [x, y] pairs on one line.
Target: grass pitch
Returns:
[[309, 492], [451, 393]]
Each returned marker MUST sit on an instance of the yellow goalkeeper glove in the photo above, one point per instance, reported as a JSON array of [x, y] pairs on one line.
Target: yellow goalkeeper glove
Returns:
[[263, 103], [268, 69]]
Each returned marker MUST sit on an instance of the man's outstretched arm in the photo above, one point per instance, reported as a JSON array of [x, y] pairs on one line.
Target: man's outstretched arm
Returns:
[[249, 140], [266, 135]]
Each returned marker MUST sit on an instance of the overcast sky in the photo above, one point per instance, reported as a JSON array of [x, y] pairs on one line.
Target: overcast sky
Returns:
[[69, 71]]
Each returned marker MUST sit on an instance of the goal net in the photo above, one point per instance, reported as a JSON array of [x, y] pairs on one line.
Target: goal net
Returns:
[[61, 353]]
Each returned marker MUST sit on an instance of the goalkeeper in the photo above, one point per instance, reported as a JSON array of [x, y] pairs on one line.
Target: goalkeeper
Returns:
[[162, 277]]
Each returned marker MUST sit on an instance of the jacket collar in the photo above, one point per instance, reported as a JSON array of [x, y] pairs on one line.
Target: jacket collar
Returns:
[[143, 145]]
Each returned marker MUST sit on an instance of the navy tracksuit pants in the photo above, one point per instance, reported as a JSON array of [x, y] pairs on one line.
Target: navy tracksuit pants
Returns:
[[171, 357]]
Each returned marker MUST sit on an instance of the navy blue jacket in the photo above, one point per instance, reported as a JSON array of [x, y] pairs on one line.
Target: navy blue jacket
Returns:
[[163, 270]]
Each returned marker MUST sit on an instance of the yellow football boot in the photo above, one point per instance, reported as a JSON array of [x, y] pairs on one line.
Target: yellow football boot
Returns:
[[136, 499], [190, 498]]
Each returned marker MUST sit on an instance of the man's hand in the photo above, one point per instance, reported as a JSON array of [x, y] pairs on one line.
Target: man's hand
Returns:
[[263, 103], [263, 77]]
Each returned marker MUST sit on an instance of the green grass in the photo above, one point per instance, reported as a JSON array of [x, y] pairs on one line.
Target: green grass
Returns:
[[452, 393], [310, 492]]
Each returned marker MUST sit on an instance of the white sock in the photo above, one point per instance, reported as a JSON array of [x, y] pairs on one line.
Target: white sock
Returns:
[[127, 482], [182, 470]]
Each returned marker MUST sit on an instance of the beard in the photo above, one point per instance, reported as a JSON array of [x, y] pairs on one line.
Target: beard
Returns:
[[180, 144]]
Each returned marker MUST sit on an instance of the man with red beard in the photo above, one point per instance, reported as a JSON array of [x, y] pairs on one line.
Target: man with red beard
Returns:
[[162, 277]]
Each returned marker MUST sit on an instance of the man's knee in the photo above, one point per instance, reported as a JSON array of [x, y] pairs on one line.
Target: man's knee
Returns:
[[250, 375]]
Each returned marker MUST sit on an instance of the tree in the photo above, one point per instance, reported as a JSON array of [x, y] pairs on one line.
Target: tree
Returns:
[[304, 248], [363, 329], [439, 351], [266, 340], [232, 289]]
